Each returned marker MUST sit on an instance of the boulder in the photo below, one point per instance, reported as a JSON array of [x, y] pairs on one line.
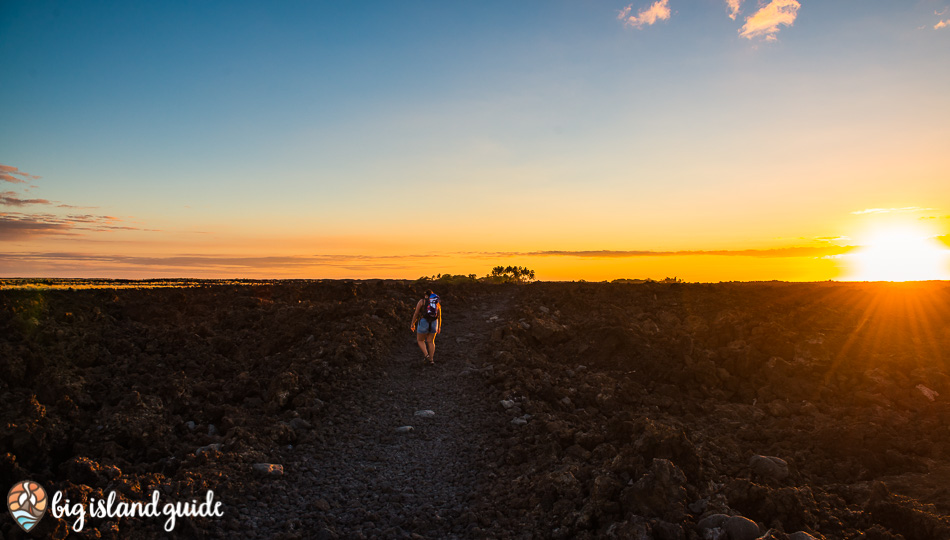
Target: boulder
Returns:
[[769, 467]]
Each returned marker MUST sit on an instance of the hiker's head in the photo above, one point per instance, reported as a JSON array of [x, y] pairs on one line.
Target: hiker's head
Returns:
[[429, 293]]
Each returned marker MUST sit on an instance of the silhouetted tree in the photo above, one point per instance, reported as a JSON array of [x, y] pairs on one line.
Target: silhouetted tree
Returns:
[[513, 273]]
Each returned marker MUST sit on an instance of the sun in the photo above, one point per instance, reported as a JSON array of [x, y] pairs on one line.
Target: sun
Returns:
[[900, 254]]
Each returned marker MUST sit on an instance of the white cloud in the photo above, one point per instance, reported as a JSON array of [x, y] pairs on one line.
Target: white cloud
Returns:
[[733, 6], [659, 11], [942, 24], [765, 22], [891, 210]]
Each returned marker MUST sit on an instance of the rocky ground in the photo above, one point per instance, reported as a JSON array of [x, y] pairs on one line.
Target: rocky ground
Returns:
[[574, 410]]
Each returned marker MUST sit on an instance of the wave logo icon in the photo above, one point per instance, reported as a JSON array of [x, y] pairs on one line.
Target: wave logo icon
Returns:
[[27, 503]]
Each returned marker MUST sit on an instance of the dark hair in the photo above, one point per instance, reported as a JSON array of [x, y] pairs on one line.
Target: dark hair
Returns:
[[429, 293]]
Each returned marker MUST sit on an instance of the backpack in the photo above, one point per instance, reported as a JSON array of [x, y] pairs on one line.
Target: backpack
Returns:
[[432, 308]]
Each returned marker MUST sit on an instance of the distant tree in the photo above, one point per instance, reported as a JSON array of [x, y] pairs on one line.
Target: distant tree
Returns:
[[517, 274]]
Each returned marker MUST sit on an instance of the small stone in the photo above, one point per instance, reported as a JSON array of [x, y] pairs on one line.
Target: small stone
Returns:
[[212, 430], [425, 413], [927, 392], [519, 421], [698, 506], [190, 425], [507, 403], [566, 401], [270, 469], [769, 467], [403, 429], [299, 424], [211, 447]]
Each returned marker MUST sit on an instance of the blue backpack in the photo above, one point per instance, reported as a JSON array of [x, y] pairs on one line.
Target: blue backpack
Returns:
[[432, 308]]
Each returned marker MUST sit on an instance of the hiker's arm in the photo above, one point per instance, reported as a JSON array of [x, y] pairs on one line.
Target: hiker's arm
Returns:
[[438, 329], [415, 316]]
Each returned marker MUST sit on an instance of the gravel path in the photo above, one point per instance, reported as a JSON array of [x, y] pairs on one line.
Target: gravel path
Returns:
[[366, 479]]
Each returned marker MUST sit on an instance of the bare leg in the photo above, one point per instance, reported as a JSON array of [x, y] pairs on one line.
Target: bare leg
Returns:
[[421, 341], [430, 343]]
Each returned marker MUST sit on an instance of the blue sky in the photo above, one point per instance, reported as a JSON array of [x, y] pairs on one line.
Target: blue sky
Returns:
[[329, 126]]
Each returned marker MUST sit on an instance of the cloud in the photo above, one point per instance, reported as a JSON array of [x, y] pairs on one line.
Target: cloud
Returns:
[[14, 228], [891, 210], [659, 11], [17, 225], [733, 6], [9, 174], [194, 264], [9, 198], [822, 251], [942, 24], [766, 21], [213, 263]]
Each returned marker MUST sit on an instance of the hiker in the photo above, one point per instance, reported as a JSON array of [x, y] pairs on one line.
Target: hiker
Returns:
[[426, 323]]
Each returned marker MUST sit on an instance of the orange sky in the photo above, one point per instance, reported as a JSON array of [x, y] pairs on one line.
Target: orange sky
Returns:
[[720, 141]]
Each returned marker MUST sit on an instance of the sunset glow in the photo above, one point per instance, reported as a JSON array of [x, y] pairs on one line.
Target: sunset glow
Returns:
[[903, 254], [710, 141]]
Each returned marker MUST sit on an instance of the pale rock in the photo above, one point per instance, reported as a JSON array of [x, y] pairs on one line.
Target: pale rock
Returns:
[[270, 469]]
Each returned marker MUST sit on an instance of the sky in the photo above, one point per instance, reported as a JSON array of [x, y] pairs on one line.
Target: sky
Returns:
[[711, 140]]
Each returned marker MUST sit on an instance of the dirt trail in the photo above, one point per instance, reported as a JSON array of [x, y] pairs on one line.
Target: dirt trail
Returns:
[[362, 478]]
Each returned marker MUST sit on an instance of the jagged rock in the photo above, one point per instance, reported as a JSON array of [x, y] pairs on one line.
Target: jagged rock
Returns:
[[769, 467], [661, 492], [605, 489], [734, 527], [299, 424], [213, 447]]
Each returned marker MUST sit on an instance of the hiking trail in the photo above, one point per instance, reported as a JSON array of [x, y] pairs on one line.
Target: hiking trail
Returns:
[[363, 478]]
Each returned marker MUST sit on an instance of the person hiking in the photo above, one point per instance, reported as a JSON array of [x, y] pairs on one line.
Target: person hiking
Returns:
[[427, 323]]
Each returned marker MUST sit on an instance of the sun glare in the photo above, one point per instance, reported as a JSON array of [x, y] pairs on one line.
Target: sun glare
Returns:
[[900, 255]]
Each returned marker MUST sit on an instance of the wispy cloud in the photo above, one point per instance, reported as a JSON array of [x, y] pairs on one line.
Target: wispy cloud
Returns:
[[10, 198], [211, 263], [891, 210], [821, 251], [765, 22], [17, 225], [733, 6], [659, 11], [942, 24], [9, 174], [202, 264]]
